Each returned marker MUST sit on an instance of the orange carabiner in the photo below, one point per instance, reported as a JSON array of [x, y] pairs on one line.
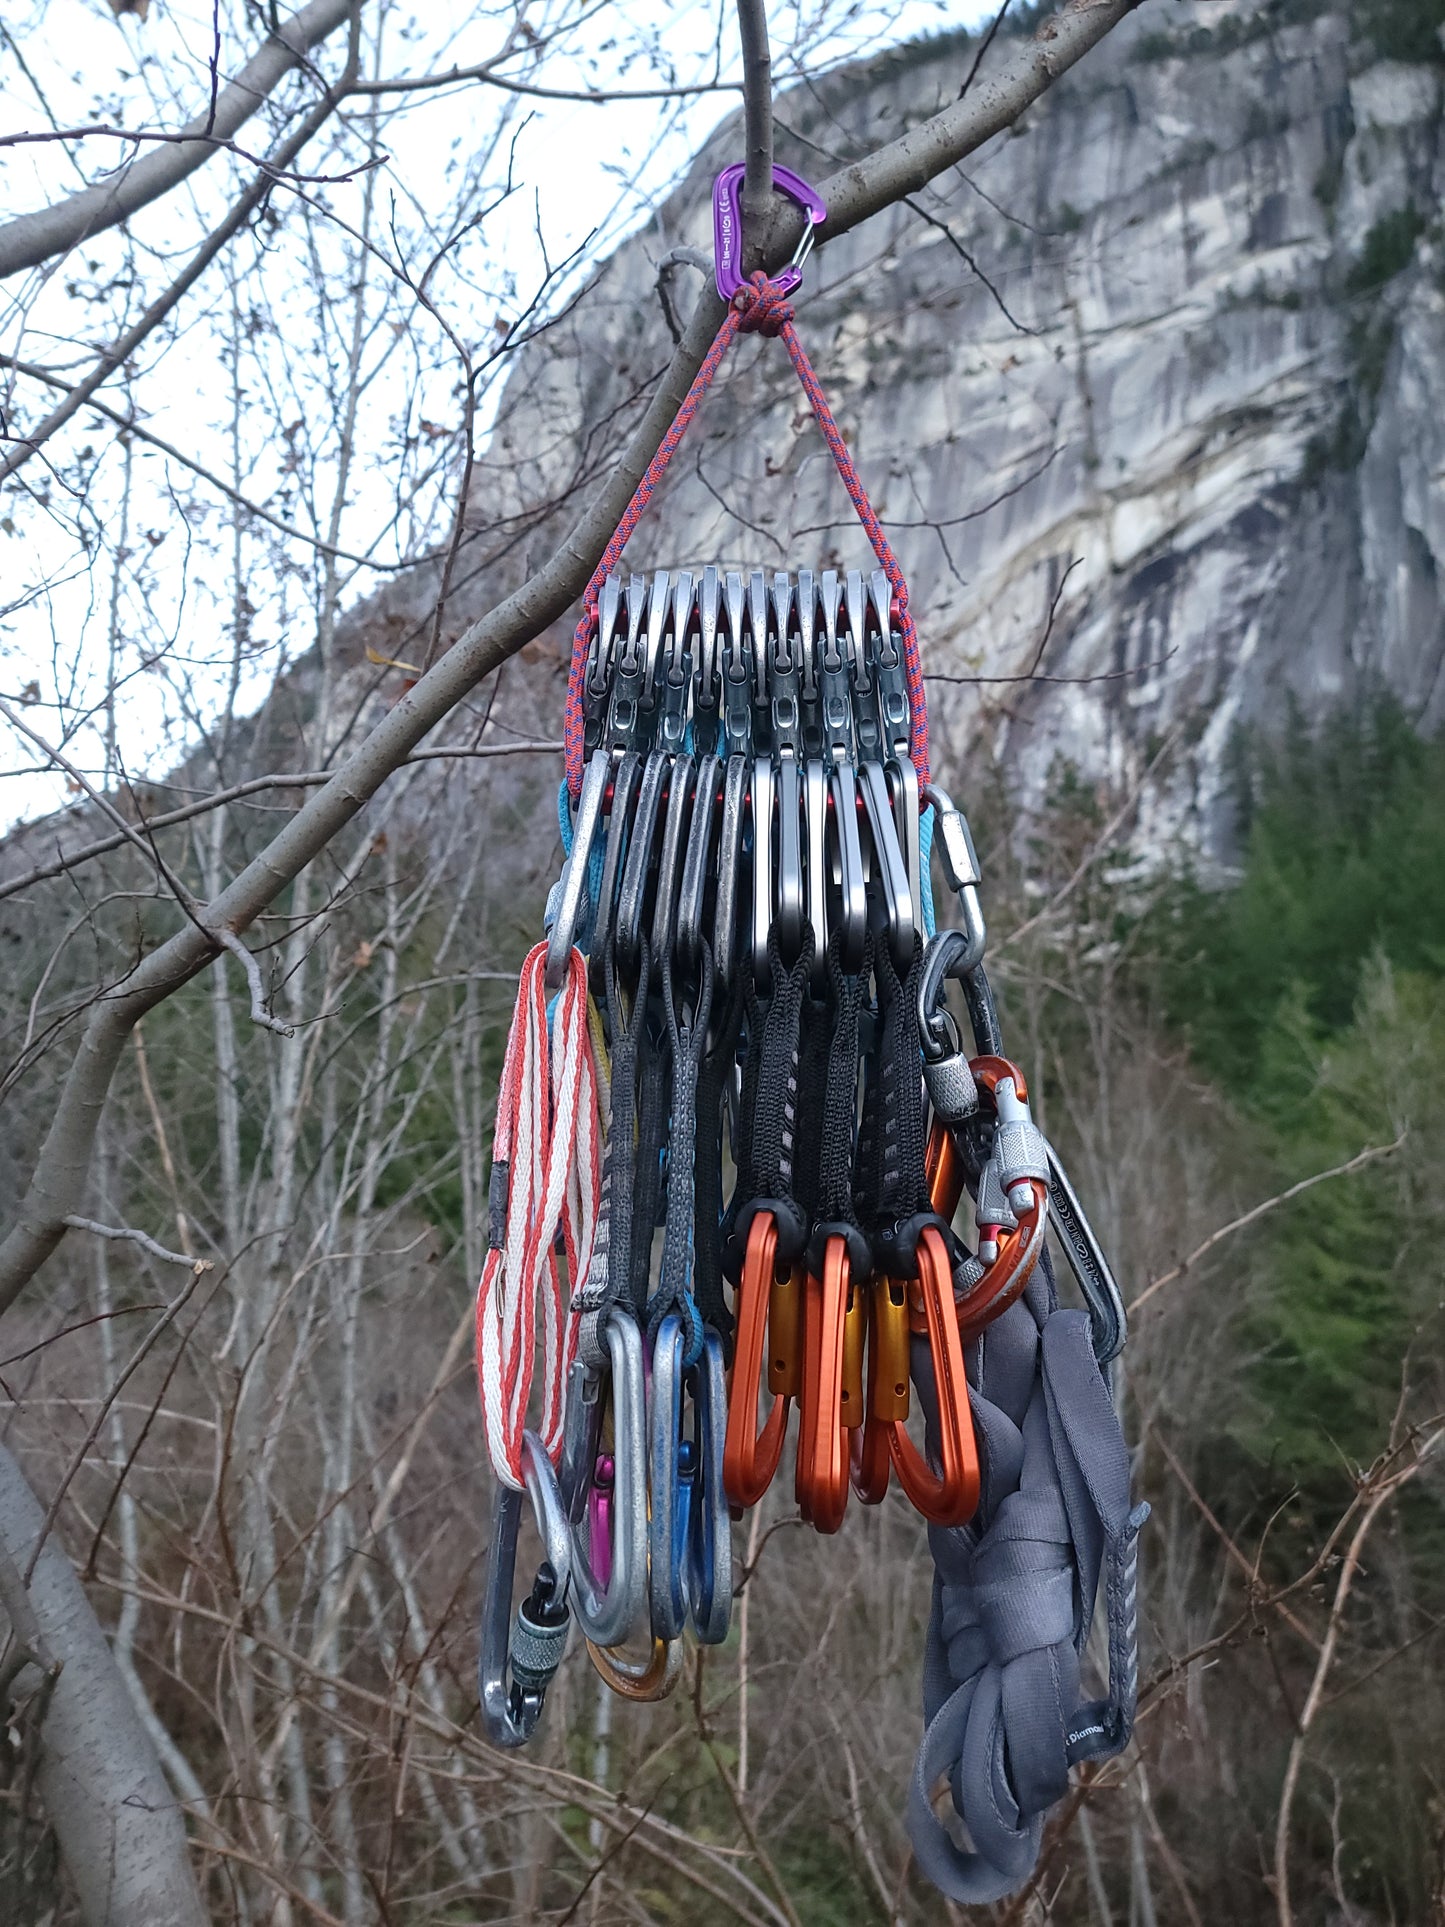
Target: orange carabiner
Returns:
[[888, 1397], [822, 1471], [750, 1457], [948, 1497]]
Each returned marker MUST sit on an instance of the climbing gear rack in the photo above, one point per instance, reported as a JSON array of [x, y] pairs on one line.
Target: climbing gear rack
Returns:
[[737, 1112]]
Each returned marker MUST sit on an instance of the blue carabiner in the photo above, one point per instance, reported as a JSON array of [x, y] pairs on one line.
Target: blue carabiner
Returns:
[[710, 1553], [667, 1529], [690, 1527]]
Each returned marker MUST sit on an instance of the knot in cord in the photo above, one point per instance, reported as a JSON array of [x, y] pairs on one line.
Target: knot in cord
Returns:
[[764, 308]]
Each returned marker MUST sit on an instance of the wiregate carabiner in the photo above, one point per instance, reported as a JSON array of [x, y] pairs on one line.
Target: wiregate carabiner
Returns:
[[609, 1555], [727, 227], [750, 1457], [519, 1657], [953, 842], [710, 1557], [1108, 1318]]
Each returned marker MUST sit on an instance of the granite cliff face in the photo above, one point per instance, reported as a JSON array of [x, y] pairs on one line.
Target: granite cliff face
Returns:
[[1199, 406]]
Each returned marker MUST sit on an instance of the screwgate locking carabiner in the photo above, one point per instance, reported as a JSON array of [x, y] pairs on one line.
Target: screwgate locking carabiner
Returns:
[[519, 1657]]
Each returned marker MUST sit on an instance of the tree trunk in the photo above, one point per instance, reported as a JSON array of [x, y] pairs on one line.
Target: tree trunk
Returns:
[[120, 1831]]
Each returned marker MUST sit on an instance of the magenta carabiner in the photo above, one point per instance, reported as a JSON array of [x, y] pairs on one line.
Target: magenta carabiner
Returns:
[[727, 227]]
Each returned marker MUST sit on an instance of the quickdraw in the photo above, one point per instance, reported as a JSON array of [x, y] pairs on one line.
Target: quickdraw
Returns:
[[736, 962]]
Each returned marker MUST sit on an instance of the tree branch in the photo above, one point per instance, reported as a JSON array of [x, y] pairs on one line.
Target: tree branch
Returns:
[[120, 1831], [300, 779], [141, 1238], [1357, 1163], [861, 189], [33, 238], [120, 352], [757, 199]]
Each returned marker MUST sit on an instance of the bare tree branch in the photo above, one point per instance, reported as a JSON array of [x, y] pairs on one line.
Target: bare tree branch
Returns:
[[141, 1238], [31, 239], [757, 208], [1358, 1162], [241, 211], [300, 779]]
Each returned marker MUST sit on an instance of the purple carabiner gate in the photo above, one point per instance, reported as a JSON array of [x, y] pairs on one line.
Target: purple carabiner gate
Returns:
[[727, 227]]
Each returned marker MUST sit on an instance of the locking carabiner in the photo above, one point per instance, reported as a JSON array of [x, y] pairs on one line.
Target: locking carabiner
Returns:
[[1013, 1195], [519, 1657]]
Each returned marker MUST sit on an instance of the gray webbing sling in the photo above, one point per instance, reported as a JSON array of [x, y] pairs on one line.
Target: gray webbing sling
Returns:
[[1013, 1601]]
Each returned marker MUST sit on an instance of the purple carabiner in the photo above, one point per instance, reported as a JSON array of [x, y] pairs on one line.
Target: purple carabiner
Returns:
[[727, 227]]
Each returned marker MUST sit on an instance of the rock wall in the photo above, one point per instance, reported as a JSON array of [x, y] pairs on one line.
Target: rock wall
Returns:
[[1170, 356]]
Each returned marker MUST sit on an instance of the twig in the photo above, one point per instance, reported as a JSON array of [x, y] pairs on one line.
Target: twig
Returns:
[[228, 940], [1386, 1489], [1361, 1158], [962, 252], [241, 211], [1100, 844], [142, 1238]]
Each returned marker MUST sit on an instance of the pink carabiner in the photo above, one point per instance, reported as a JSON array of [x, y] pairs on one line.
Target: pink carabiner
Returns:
[[727, 227]]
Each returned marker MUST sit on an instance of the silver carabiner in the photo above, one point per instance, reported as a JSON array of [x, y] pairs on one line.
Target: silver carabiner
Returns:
[[1108, 1318], [519, 1657], [608, 1613], [665, 906], [574, 872], [689, 937], [954, 845], [632, 895], [852, 877], [729, 867], [815, 863], [893, 869]]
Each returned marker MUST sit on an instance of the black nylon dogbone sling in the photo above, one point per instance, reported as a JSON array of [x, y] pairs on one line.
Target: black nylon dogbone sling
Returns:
[[688, 1036], [712, 1085], [770, 1074]]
